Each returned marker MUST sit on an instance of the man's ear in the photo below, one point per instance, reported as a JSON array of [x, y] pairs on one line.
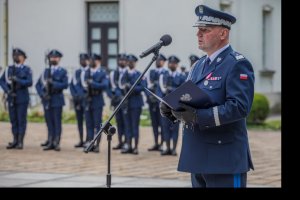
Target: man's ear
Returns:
[[224, 32]]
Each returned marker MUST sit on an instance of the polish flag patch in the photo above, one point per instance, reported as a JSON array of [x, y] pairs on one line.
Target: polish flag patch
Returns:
[[243, 76]]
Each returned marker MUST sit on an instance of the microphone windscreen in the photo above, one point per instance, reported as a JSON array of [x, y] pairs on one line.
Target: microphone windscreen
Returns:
[[166, 39]]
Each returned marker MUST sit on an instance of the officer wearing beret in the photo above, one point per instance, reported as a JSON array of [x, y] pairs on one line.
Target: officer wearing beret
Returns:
[[15, 82], [50, 86], [116, 94], [94, 83], [153, 85], [134, 104], [215, 148], [77, 93], [168, 82]]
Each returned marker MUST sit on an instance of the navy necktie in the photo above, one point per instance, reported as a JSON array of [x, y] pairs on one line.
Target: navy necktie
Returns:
[[206, 66]]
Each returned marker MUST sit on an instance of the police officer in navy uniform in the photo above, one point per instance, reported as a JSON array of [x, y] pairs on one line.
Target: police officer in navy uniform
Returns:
[[215, 148], [77, 93], [184, 73], [153, 85], [135, 104], [193, 59], [95, 83], [116, 94], [50, 88], [15, 82], [169, 81]]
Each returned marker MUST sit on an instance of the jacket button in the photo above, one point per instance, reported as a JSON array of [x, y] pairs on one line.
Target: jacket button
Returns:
[[219, 142]]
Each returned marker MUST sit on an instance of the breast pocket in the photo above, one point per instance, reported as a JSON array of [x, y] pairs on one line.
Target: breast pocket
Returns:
[[212, 85]]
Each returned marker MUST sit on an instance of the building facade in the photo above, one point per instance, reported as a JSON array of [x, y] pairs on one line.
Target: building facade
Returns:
[[131, 26]]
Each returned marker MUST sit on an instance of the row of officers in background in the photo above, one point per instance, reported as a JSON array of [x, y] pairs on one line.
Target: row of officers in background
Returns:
[[87, 87]]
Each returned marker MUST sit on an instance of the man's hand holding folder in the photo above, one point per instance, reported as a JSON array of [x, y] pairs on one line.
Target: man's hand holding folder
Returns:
[[186, 113], [182, 103]]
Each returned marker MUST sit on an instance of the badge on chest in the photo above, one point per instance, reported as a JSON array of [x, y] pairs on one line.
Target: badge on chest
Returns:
[[209, 77]]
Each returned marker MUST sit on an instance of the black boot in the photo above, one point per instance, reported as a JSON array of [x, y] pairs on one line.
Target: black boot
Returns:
[[96, 148], [167, 151], [46, 142], [20, 141], [174, 152], [135, 149], [154, 148], [174, 148], [56, 144], [50, 145], [127, 148], [13, 144], [119, 146], [80, 144], [161, 146]]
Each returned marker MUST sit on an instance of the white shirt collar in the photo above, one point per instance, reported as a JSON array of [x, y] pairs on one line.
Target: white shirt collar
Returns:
[[94, 70], [173, 74], [216, 53], [54, 67], [122, 70], [131, 71], [19, 65], [84, 68], [159, 69]]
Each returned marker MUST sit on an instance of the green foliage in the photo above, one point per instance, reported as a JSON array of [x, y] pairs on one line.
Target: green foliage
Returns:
[[145, 118], [69, 118], [4, 117], [274, 125], [260, 109], [35, 116]]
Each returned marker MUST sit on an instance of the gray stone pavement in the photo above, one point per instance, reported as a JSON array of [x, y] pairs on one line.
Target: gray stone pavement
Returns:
[[33, 167], [48, 180]]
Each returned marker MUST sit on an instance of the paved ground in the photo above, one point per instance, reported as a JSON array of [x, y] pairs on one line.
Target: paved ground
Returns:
[[33, 167]]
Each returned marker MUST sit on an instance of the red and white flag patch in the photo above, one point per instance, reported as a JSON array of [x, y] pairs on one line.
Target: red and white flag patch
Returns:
[[243, 76]]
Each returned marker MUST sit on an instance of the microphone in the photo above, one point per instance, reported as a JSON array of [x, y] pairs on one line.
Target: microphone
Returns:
[[165, 40]]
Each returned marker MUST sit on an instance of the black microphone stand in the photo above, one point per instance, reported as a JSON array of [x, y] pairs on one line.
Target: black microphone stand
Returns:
[[109, 130]]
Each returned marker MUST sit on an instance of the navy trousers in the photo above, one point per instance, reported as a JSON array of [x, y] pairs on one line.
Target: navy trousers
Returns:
[[79, 110], [18, 118], [134, 121], [53, 117], [219, 180], [156, 120], [122, 119], [170, 131], [93, 118]]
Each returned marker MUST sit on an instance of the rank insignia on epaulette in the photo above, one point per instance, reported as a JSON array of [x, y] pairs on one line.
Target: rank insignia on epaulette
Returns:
[[239, 57]]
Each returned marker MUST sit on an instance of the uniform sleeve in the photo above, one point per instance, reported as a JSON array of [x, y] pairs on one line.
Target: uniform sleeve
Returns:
[[140, 86], [3, 83], [39, 87], [60, 85], [239, 97], [26, 82], [73, 89], [103, 85]]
